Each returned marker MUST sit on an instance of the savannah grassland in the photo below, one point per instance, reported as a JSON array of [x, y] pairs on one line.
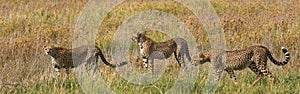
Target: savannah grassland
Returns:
[[27, 25]]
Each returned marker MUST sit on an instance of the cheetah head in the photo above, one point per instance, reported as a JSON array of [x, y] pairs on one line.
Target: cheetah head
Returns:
[[138, 37], [199, 59], [50, 50]]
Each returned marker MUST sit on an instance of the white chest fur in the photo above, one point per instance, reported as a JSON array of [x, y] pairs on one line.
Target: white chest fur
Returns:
[[142, 49], [54, 63]]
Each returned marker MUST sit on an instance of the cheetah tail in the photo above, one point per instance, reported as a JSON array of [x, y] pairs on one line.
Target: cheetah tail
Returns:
[[105, 61], [287, 57], [109, 64]]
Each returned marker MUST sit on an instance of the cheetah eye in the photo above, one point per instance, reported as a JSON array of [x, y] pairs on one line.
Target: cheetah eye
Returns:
[[48, 49]]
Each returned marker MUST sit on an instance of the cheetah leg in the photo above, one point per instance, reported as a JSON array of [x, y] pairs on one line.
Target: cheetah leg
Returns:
[[181, 56], [91, 63], [179, 59], [56, 69], [68, 72], [259, 66], [218, 74], [231, 75], [95, 63], [266, 72], [56, 72], [145, 63], [218, 67], [151, 65], [253, 68], [257, 79]]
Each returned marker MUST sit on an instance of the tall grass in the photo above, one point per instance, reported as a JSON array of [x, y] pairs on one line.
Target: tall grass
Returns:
[[27, 25]]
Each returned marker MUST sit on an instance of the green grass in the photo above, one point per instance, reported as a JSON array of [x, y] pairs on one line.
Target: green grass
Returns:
[[27, 25]]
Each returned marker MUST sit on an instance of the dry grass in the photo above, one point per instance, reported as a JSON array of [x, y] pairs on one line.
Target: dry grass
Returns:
[[27, 25]]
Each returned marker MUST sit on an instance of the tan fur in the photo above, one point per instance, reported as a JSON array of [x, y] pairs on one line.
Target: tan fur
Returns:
[[254, 57]]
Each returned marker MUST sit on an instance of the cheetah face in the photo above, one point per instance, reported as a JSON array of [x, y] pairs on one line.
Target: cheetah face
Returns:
[[49, 50], [196, 62], [200, 59], [138, 37]]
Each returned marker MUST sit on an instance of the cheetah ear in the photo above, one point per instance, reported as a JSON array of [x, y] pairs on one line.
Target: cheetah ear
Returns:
[[202, 55], [140, 34], [133, 36]]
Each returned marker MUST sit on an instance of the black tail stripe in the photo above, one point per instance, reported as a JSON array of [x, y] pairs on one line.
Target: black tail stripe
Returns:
[[284, 50]]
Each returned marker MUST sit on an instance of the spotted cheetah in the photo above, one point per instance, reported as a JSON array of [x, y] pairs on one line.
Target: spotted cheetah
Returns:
[[150, 49], [63, 57], [254, 57]]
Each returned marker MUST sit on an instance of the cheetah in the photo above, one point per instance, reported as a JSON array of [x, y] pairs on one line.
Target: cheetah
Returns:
[[254, 57], [161, 50], [62, 58]]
